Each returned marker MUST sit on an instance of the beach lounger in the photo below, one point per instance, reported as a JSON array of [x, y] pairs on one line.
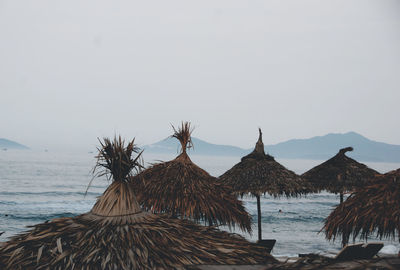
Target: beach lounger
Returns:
[[358, 251], [350, 252], [267, 243], [371, 249]]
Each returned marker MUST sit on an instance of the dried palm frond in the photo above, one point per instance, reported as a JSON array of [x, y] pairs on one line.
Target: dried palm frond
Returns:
[[184, 136], [115, 160], [372, 208]]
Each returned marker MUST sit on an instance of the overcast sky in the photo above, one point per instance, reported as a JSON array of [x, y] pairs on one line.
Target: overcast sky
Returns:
[[72, 71]]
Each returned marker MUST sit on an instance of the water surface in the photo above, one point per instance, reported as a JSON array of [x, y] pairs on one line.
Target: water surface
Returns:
[[39, 186]]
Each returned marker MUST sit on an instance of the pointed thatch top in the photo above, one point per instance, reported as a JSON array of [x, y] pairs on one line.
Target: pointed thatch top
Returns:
[[339, 174], [259, 173], [259, 145], [184, 136], [116, 162], [114, 236], [183, 189], [258, 152], [344, 150], [374, 208]]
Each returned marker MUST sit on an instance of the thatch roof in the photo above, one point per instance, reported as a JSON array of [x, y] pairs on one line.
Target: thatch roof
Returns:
[[139, 240], [259, 173], [372, 208], [339, 174], [181, 188], [117, 234]]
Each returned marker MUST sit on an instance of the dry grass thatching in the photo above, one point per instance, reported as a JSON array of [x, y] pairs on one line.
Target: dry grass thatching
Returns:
[[339, 174], [258, 173], [183, 189], [116, 234], [373, 208], [136, 241]]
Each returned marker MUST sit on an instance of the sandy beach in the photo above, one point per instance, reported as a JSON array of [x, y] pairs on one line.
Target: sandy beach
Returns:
[[313, 263]]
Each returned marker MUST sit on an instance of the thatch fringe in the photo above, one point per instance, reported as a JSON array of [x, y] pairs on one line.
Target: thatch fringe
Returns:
[[372, 208], [260, 176]]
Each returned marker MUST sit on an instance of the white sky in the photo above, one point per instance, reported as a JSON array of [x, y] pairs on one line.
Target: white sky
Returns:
[[75, 70]]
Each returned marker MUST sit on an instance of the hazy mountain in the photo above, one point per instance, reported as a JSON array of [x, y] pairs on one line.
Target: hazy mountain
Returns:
[[323, 147], [320, 147], [7, 144], [171, 145]]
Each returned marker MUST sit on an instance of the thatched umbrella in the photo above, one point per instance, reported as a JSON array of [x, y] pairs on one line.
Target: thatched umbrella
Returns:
[[117, 234], [372, 208], [339, 174], [258, 173], [181, 188]]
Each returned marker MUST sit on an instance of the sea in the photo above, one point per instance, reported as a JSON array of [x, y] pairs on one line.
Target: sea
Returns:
[[36, 186]]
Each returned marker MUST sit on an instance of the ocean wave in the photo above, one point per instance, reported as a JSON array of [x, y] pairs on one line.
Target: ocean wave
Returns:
[[38, 217], [289, 219], [8, 203], [49, 193]]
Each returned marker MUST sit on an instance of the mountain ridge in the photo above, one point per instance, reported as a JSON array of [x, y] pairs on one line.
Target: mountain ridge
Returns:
[[8, 144], [316, 148]]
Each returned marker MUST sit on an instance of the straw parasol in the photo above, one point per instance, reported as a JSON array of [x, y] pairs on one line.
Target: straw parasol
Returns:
[[117, 234], [181, 188], [372, 208], [258, 173], [339, 174]]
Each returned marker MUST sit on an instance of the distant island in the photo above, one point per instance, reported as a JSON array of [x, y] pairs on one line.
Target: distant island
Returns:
[[316, 148], [7, 144]]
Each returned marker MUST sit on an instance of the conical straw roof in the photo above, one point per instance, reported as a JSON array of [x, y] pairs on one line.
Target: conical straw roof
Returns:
[[339, 174], [116, 234], [374, 208], [258, 173], [181, 188]]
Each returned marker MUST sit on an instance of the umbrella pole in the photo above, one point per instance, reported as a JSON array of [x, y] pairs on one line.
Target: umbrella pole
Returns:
[[344, 241], [259, 216]]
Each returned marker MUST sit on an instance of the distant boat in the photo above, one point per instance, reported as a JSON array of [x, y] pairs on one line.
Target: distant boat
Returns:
[[4, 149], [46, 150]]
